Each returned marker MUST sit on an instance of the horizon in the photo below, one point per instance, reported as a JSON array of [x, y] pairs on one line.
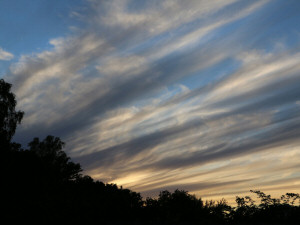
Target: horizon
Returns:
[[201, 96]]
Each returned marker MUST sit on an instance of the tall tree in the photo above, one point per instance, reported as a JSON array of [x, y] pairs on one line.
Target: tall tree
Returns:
[[9, 117]]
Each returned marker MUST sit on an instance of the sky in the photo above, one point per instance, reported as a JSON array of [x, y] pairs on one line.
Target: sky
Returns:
[[162, 94]]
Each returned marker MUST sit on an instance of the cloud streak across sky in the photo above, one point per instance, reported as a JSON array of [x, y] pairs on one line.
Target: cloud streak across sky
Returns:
[[5, 55], [200, 95]]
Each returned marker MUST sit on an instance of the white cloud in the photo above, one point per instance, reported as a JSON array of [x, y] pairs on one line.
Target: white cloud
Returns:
[[4, 55]]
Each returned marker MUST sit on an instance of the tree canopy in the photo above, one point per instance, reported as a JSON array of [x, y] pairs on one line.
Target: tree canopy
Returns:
[[9, 117], [54, 159]]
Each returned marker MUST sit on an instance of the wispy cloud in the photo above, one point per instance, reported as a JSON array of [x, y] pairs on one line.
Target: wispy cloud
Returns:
[[4, 55], [169, 94]]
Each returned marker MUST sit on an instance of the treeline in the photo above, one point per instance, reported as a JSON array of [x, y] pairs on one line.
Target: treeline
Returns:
[[40, 184]]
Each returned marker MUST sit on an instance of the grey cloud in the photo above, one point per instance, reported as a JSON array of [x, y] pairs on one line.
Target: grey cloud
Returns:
[[285, 133], [128, 90], [224, 150], [276, 93], [269, 139], [165, 72], [194, 187], [88, 95], [133, 147]]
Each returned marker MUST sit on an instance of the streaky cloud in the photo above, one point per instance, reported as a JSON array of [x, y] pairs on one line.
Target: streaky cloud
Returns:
[[4, 55], [171, 94]]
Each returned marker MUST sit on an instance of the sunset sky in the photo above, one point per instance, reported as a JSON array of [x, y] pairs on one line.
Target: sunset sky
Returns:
[[200, 95]]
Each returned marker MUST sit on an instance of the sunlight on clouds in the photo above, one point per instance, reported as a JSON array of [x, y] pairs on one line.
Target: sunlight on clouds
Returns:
[[132, 178], [162, 17], [195, 37], [257, 73], [169, 95], [128, 65]]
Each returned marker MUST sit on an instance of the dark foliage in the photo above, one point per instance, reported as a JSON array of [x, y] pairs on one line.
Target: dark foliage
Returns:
[[9, 117], [56, 164], [41, 185], [269, 211]]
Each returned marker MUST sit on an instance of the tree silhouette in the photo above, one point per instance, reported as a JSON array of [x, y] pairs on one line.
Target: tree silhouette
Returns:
[[269, 211], [9, 117], [56, 162]]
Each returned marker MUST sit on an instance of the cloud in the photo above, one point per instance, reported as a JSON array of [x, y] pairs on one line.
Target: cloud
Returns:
[[4, 55], [165, 94]]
